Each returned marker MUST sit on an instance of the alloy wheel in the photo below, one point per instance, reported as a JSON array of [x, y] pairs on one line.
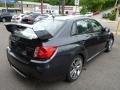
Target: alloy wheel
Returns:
[[76, 68]]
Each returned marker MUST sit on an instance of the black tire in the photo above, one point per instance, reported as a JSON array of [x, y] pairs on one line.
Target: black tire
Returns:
[[73, 74], [109, 45]]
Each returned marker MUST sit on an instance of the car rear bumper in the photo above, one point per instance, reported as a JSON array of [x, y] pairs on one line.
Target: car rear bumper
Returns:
[[42, 71], [18, 71]]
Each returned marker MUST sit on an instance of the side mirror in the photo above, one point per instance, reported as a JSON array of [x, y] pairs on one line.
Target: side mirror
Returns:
[[106, 29]]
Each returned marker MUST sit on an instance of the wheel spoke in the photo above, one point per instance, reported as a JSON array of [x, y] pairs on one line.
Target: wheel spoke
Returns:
[[78, 72], [73, 73]]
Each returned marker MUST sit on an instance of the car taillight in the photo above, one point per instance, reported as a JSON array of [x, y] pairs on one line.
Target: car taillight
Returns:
[[30, 18], [17, 18], [44, 52]]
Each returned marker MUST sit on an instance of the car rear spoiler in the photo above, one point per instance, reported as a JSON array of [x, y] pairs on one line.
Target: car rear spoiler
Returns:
[[20, 30], [12, 27]]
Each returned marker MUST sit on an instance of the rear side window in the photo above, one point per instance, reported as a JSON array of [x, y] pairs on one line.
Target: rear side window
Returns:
[[52, 26], [81, 27]]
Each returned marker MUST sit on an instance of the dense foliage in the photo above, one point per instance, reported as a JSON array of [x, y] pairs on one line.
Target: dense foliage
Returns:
[[54, 2], [96, 5], [89, 5]]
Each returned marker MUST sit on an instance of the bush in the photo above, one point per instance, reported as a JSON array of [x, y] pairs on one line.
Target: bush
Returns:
[[112, 16], [84, 10]]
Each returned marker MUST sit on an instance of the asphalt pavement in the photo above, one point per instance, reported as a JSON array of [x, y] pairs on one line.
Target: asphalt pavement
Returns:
[[102, 73]]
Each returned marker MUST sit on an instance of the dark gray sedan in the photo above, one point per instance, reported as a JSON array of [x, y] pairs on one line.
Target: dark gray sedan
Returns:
[[56, 48]]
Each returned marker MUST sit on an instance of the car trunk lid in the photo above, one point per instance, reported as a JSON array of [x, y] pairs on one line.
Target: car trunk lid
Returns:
[[23, 40]]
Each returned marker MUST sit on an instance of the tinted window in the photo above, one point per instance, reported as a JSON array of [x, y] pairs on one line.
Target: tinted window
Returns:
[[31, 15], [40, 17], [34, 15], [83, 26], [52, 26], [96, 26]]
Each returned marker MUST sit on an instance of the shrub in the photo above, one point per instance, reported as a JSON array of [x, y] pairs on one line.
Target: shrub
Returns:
[[112, 16], [84, 10]]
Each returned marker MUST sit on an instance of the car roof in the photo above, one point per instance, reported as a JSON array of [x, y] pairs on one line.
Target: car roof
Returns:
[[70, 17]]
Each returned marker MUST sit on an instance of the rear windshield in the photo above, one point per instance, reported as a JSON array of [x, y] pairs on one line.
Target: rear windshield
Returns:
[[34, 15], [52, 26]]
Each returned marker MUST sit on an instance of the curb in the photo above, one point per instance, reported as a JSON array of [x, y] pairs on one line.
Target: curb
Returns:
[[108, 21], [116, 33]]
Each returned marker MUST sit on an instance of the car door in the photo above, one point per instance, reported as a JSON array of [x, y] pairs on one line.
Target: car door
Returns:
[[83, 31], [99, 35]]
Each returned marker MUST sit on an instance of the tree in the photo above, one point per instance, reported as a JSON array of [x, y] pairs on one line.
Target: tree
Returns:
[[93, 5], [53, 2], [90, 5], [96, 5]]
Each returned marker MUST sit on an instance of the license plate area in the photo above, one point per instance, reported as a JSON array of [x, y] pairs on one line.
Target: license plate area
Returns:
[[21, 49]]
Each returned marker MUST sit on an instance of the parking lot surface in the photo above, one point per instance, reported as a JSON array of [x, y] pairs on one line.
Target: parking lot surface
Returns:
[[102, 73]]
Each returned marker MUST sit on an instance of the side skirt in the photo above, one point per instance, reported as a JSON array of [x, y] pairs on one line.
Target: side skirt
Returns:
[[95, 55]]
